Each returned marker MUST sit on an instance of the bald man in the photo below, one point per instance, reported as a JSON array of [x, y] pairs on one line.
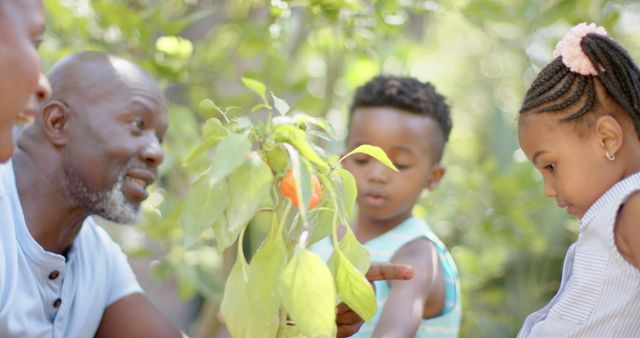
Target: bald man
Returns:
[[93, 150], [22, 85]]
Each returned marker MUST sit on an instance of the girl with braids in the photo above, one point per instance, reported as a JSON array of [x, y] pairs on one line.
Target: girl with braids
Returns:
[[580, 127]]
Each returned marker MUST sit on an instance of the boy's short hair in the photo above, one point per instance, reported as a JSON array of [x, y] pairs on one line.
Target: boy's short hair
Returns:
[[408, 94]]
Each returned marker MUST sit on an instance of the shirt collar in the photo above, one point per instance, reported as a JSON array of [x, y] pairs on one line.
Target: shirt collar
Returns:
[[610, 196]]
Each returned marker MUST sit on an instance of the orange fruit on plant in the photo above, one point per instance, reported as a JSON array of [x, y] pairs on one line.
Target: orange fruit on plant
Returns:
[[288, 189]]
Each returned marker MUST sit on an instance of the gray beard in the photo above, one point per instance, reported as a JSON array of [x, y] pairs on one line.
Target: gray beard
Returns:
[[111, 205]]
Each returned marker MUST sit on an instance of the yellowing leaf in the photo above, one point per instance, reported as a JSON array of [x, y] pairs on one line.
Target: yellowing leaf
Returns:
[[308, 294], [373, 151]]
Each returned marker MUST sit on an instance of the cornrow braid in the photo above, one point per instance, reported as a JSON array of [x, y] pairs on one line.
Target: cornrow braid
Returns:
[[618, 73], [557, 88], [553, 97]]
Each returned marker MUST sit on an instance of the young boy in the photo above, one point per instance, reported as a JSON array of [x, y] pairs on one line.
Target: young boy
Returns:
[[410, 121]]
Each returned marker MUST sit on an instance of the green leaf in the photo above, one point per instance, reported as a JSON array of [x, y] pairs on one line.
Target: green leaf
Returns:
[[228, 155], [236, 300], [353, 287], [264, 277], [281, 105], [258, 87], [349, 190], [249, 186], [212, 132], [323, 224], [213, 127], [373, 151], [175, 46], [308, 294], [354, 251], [205, 202], [297, 138]]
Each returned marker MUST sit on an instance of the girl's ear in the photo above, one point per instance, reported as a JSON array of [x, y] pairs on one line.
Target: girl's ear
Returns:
[[610, 134], [55, 116], [436, 174]]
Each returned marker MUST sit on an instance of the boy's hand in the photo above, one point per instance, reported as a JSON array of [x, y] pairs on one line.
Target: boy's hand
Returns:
[[349, 322]]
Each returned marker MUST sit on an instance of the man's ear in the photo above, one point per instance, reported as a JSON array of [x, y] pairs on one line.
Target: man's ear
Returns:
[[437, 172], [55, 116], [610, 135]]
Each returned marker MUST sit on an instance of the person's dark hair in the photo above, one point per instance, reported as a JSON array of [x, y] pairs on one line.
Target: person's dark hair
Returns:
[[558, 89], [405, 93]]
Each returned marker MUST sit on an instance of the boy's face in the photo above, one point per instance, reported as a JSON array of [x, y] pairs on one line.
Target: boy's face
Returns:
[[574, 167], [21, 28], [412, 142]]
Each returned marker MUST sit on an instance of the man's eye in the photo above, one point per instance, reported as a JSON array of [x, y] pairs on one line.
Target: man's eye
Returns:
[[138, 123], [36, 43], [401, 166]]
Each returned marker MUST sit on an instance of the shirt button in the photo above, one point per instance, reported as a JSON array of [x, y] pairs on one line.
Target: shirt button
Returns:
[[53, 275], [57, 303]]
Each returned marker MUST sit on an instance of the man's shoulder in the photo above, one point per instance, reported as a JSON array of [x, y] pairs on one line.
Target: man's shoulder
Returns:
[[96, 241]]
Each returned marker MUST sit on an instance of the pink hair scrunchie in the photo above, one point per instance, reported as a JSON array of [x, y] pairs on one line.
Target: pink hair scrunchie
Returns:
[[569, 48]]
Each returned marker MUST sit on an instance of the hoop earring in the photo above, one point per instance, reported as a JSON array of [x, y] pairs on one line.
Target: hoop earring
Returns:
[[609, 156]]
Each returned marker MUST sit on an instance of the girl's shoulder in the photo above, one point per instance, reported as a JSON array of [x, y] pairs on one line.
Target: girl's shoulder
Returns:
[[627, 229]]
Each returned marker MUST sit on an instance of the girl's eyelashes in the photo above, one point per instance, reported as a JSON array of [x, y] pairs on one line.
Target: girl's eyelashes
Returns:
[[549, 167], [401, 166]]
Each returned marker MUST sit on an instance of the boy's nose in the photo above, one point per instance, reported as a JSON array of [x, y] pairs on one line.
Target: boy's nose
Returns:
[[378, 172]]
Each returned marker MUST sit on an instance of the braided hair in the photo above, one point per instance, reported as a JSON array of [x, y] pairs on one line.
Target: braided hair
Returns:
[[408, 94], [558, 89]]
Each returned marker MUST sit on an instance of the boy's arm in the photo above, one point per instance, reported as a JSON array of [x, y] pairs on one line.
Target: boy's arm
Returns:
[[404, 307], [627, 230], [134, 316]]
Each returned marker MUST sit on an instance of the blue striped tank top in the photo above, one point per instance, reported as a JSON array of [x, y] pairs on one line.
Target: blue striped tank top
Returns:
[[382, 249]]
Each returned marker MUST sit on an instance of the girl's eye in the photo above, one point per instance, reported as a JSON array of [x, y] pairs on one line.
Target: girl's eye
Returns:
[[550, 167], [401, 166]]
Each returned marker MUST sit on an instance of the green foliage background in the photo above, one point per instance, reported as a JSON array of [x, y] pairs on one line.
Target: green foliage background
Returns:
[[507, 238]]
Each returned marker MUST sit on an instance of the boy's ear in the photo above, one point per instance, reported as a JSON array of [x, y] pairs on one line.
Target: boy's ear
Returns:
[[55, 116], [437, 172], [610, 134]]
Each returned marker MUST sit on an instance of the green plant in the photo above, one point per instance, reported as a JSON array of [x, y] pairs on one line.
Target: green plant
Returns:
[[249, 168]]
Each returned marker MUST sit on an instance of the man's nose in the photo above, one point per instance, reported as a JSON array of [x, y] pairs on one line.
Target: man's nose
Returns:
[[152, 154]]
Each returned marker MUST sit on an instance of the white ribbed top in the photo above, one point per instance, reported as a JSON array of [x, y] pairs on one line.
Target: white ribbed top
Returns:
[[599, 294]]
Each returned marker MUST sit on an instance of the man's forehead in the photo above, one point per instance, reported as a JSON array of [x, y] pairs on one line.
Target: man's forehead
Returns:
[[30, 11]]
